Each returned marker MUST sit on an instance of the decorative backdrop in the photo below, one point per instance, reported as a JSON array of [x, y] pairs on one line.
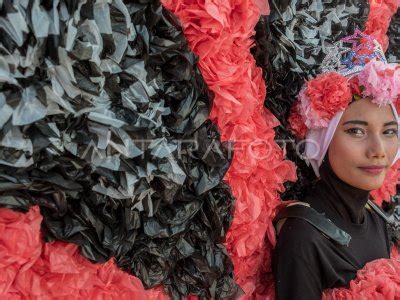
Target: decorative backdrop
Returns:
[[139, 159]]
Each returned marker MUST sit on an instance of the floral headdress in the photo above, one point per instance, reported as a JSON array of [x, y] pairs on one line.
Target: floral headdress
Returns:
[[348, 74]]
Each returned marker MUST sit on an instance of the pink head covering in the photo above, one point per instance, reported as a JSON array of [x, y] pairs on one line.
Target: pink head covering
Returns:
[[317, 140]]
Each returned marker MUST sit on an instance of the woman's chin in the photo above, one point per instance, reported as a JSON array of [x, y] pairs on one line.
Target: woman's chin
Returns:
[[369, 181]]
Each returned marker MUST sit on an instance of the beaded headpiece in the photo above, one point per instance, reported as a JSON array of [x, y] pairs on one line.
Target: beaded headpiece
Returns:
[[351, 60]]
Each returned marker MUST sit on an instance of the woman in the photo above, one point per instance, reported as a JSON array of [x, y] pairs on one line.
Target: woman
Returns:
[[350, 123]]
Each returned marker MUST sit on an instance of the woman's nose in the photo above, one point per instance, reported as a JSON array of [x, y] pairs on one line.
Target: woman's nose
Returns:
[[376, 147]]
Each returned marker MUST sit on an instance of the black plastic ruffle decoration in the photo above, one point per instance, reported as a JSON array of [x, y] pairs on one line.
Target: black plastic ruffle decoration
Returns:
[[393, 51], [103, 124], [290, 45]]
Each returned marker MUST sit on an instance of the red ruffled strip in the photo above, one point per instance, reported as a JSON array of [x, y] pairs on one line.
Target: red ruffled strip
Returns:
[[32, 269], [380, 13], [220, 32], [379, 279]]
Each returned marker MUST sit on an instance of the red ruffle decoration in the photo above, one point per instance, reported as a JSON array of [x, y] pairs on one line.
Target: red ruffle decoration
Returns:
[[380, 13], [220, 33], [32, 269], [379, 279], [388, 188]]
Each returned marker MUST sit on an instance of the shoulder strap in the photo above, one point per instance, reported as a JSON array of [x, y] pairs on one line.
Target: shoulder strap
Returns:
[[326, 226], [379, 211], [392, 223]]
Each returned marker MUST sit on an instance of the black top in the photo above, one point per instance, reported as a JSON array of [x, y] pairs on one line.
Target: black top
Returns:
[[305, 262]]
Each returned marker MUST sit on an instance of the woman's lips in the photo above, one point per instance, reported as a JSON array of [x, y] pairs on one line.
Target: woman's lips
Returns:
[[372, 170]]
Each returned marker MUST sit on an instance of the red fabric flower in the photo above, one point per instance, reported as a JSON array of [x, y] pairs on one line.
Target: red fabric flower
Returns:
[[379, 279], [296, 122], [397, 105], [355, 87], [328, 93]]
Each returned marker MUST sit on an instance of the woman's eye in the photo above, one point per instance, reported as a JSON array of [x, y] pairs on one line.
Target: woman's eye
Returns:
[[355, 131], [391, 132]]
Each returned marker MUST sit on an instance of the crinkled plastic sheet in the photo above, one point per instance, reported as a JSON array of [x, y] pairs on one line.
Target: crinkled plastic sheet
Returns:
[[103, 125], [290, 45], [393, 52]]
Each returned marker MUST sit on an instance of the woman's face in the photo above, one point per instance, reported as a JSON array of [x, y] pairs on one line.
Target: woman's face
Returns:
[[365, 137]]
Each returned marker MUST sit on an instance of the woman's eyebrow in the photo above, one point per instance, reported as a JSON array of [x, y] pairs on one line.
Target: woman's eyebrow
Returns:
[[366, 123], [390, 123], [356, 122]]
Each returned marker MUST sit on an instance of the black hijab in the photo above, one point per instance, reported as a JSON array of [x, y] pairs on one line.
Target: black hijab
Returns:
[[348, 201]]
